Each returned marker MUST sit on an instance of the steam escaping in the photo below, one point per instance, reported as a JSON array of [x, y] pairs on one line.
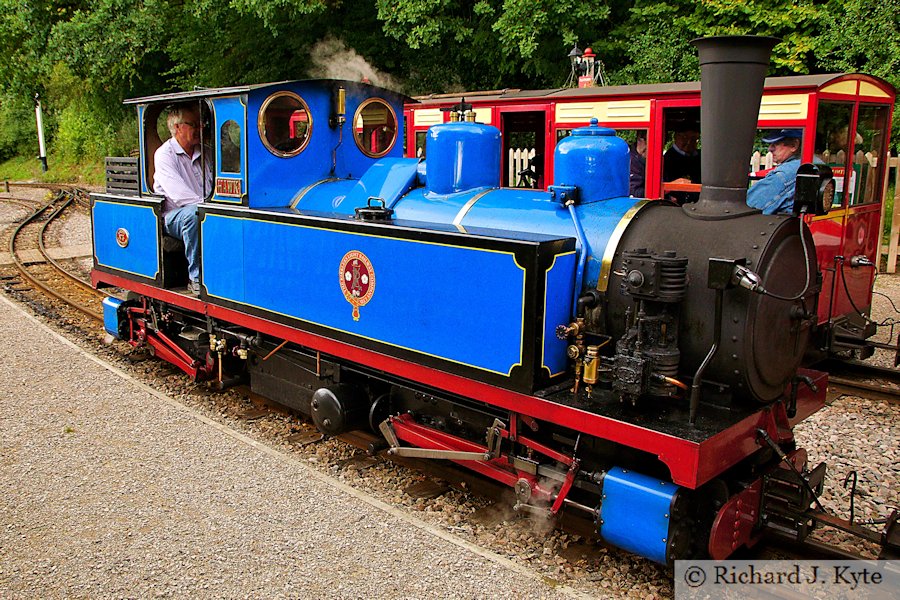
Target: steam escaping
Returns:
[[333, 60]]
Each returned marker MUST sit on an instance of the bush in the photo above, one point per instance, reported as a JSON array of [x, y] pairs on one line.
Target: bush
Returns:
[[18, 132]]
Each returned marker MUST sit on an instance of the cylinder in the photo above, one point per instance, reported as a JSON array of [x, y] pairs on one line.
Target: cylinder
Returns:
[[732, 74]]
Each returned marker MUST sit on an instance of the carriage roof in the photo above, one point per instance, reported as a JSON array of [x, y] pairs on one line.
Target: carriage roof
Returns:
[[651, 89]]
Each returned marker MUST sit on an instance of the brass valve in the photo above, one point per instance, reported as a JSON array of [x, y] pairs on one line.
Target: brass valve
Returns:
[[564, 332]]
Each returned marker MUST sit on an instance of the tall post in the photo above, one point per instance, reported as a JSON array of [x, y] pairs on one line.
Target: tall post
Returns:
[[40, 131]]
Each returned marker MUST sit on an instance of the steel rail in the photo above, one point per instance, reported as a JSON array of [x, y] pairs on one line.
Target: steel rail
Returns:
[[33, 280], [62, 270], [846, 377]]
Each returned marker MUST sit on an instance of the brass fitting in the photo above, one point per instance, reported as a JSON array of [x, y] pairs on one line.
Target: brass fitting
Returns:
[[591, 364]]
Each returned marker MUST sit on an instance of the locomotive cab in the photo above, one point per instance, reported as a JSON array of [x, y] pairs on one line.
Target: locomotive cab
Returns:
[[263, 146]]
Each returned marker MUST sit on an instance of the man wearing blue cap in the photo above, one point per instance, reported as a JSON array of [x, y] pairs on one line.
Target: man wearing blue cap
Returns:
[[774, 193]]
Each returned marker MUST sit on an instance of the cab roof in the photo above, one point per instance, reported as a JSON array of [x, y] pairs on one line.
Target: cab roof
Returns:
[[200, 93]]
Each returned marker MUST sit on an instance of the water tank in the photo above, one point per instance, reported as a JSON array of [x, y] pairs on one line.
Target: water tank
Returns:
[[594, 160], [462, 156]]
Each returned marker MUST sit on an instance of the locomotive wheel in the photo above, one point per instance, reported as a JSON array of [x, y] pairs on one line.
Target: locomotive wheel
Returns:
[[379, 411]]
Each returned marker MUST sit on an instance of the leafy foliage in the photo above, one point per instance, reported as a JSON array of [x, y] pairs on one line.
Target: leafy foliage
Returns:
[[865, 36], [85, 57]]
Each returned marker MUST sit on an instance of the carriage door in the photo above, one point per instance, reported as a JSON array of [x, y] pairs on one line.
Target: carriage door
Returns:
[[524, 133], [680, 179], [865, 170], [851, 138]]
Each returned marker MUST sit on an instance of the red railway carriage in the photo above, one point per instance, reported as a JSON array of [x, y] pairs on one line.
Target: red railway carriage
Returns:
[[823, 107]]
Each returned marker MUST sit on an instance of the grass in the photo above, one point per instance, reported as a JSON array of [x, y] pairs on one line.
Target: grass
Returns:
[[23, 168], [888, 211]]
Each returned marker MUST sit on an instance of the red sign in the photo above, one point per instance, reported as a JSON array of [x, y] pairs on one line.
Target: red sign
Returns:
[[357, 280], [228, 187], [585, 81]]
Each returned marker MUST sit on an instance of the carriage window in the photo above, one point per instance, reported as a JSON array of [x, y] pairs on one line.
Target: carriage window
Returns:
[[562, 133], [832, 144], [375, 127], [762, 160], [230, 145], [637, 146], [285, 124], [872, 127], [421, 136]]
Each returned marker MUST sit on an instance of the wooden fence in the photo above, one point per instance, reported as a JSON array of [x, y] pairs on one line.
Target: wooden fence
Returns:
[[519, 160], [891, 248]]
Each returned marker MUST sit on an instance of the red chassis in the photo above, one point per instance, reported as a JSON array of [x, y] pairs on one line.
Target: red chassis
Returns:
[[690, 463]]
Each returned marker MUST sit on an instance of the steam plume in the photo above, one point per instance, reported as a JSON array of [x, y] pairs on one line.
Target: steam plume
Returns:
[[333, 60]]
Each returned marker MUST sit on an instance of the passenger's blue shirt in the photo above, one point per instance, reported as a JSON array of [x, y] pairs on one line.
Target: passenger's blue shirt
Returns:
[[774, 193]]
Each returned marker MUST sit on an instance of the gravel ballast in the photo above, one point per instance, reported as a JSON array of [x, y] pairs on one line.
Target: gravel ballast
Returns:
[[111, 489], [60, 536]]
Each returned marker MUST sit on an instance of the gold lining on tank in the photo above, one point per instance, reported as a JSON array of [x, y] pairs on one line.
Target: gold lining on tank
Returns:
[[613, 243]]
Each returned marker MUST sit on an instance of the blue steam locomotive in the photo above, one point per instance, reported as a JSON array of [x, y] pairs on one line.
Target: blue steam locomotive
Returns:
[[632, 360]]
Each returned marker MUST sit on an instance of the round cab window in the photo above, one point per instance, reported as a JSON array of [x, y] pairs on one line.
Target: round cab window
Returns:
[[285, 124], [375, 127]]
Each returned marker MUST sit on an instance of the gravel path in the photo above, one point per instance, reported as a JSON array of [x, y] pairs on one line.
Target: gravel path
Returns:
[[112, 489], [207, 537]]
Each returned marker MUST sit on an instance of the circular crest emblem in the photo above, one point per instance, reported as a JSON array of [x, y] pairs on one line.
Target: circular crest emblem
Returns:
[[861, 236], [357, 280], [122, 237]]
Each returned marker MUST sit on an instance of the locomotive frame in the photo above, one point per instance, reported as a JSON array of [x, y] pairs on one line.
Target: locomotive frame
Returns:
[[534, 337]]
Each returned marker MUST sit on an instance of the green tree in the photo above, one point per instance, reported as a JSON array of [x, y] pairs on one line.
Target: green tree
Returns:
[[864, 35], [85, 57], [488, 43]]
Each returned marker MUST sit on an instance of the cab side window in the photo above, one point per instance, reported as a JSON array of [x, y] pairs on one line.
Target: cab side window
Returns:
[[285, 124], [230, 145]]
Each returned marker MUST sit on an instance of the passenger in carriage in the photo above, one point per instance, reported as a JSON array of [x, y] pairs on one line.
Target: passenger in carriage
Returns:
[[774, 193], [638, 171], [185, 181], [681, 162]]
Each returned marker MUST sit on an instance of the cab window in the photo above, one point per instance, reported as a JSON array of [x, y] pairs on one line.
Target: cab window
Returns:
[[375, 127], [285, 124], [230, 145]]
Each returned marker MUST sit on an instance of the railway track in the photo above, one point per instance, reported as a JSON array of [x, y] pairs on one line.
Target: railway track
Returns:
[[860, 378], [8, 185], [36, 269]]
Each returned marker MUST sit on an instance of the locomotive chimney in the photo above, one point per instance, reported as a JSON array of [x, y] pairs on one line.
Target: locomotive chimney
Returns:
[[732, 74]]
